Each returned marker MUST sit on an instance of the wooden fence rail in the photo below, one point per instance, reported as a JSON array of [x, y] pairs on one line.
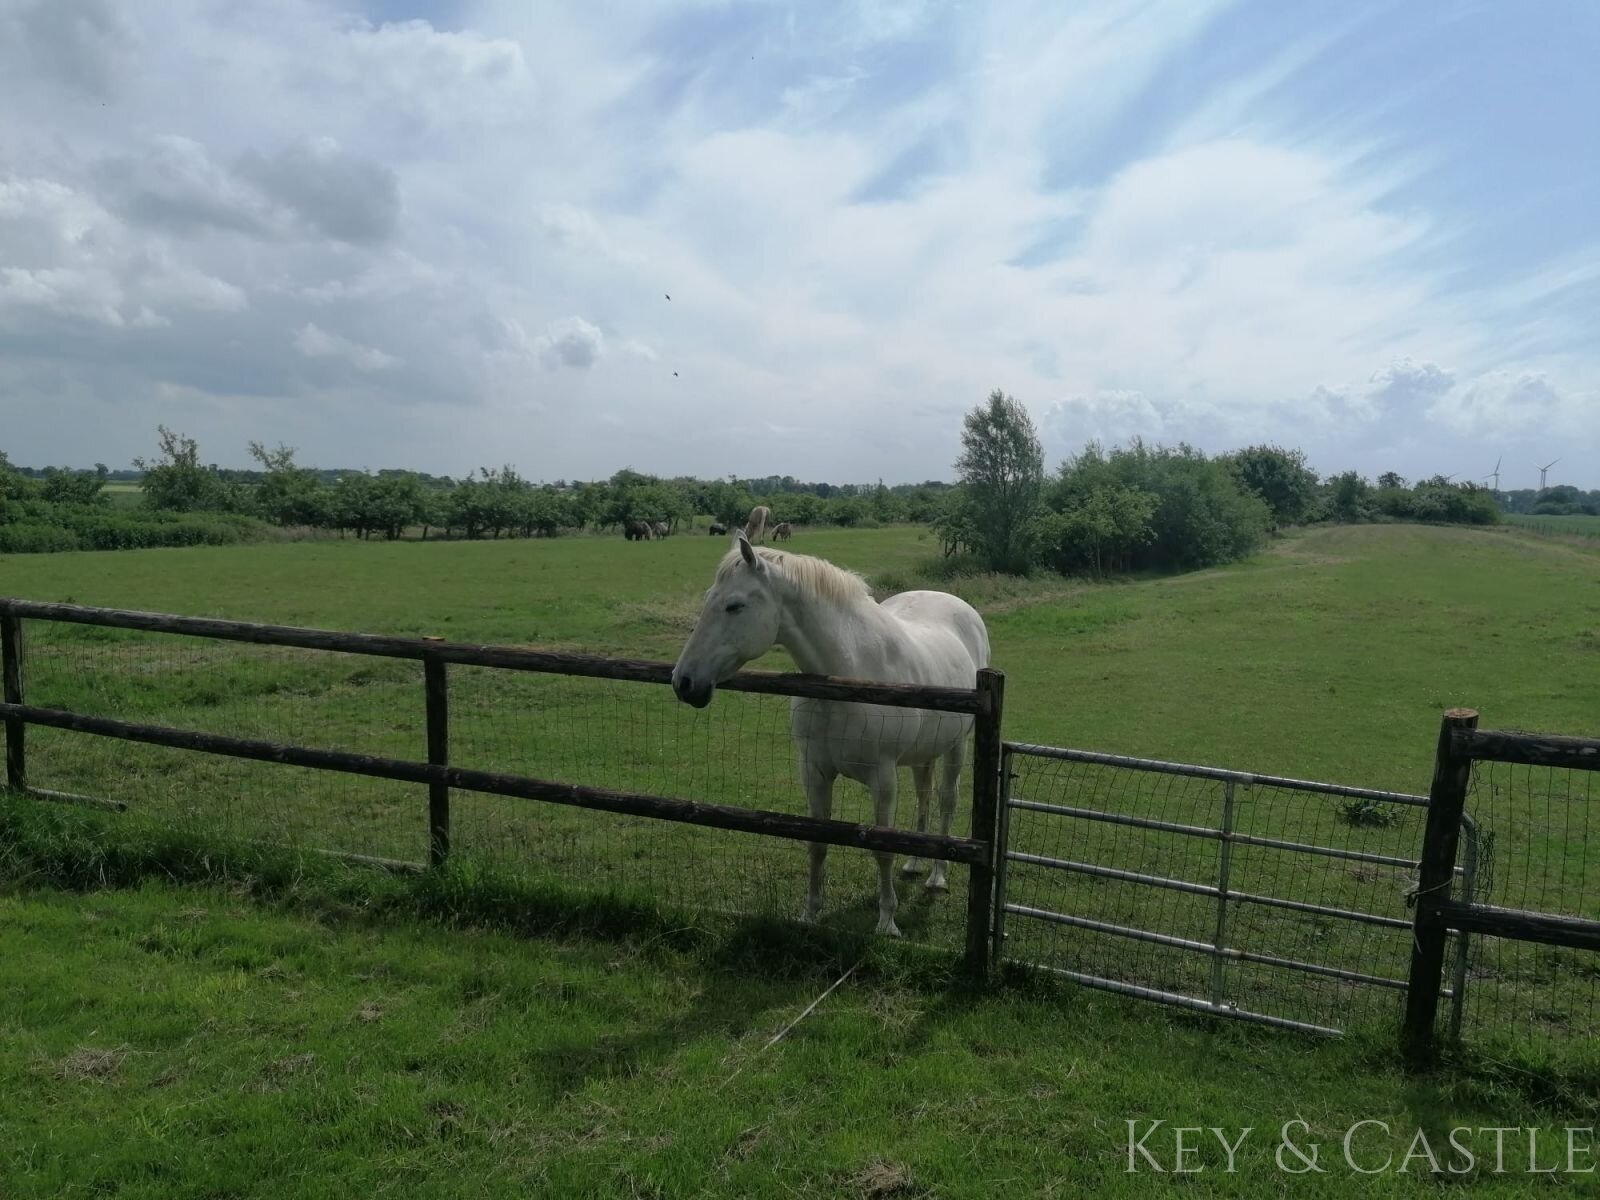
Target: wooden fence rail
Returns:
[[984, 702], [1461, 743], [548, 662]]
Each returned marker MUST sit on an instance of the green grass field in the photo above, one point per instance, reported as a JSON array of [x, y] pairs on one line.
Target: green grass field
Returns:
[[1329, 657], [1574, 526], [123, 495]]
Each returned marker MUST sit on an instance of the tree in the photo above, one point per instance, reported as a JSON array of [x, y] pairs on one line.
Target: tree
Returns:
[[1280, 477], [1347, 496], [287, 494], [802, 508], [1002, 473], [1390, 480], [72, 487], [176, 482], [1101, 530]]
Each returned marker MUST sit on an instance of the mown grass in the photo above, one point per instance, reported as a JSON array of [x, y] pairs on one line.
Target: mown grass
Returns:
[[290, 1029]]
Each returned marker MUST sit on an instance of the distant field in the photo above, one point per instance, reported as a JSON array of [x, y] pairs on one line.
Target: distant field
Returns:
[[124, 495], [1574, 526]]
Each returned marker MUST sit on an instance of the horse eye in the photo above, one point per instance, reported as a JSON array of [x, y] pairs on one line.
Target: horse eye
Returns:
[[735, 606]]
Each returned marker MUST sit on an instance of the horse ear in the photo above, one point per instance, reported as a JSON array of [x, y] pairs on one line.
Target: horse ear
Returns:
[[748, 552]]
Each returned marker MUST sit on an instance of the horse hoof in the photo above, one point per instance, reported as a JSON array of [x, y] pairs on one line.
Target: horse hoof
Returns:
[[888, 929], [912, 866]]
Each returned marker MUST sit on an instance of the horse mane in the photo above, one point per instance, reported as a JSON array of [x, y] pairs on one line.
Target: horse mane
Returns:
[[815, 576]]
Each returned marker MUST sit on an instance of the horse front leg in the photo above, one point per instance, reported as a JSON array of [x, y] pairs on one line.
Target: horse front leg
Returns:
[[819, 798], [922, 776], [884, 783]]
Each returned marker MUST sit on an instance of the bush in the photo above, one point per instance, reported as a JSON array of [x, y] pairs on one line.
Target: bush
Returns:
[[1448, 503], [1199, 514], [1280, 477], [1349, 495], [46, 528], [32, 537], [1099, 530]]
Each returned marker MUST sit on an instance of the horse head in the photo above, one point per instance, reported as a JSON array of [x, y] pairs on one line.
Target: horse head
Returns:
[[738, 622]]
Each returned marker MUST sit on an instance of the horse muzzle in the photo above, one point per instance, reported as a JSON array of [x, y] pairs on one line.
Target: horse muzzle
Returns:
[[693, 691]]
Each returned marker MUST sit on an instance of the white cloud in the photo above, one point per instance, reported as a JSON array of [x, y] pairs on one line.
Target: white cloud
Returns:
[[866, 217], [571, 343], [315, 342], [1108, 417], [64, 255]]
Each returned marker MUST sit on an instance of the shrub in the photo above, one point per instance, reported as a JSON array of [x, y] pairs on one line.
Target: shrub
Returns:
[[56, 527], [1458, 504], [1279, 477], [1199, 514]]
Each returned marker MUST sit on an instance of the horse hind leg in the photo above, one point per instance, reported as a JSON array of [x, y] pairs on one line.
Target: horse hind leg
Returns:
[[884, 783], [922, 776], [949, 783], [819, 799]]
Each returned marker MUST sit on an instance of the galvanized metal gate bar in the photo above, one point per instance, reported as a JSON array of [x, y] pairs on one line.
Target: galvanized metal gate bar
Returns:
[[1227, 837]]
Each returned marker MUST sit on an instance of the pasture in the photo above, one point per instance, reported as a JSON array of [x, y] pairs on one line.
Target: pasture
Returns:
[[1329, 657], [1577, 525]]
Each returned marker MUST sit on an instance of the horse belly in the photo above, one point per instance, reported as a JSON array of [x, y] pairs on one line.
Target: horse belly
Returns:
[[855, 740]]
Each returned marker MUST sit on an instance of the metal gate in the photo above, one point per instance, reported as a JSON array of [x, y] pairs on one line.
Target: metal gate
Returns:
[[1279, 901]]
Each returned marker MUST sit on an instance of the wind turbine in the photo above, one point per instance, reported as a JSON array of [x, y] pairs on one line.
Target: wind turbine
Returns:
[[1495, 475], [1545, 468]]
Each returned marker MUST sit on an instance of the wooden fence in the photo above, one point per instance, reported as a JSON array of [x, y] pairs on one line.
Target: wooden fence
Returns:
[[984, 703], [1462, 743]]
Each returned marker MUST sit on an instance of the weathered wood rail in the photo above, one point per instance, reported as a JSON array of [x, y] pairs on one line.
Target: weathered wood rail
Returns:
[[984, 703], [1437, 913]]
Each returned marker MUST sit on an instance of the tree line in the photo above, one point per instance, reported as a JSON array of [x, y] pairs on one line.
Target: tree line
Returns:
[[185, 501], [1127, 508], [1144, 507]]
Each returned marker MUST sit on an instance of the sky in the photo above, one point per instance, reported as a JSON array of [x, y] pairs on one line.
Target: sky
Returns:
[[707, 238]]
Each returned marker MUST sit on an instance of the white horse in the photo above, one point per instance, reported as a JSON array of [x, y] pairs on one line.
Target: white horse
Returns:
[[826, 618]]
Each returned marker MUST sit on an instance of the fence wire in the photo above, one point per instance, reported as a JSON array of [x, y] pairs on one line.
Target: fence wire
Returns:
[[1538, 839], [599, 733], [1375, 949]]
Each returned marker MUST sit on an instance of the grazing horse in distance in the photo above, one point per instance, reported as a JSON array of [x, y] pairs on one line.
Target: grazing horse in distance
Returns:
[[661, 529], [637, 531], [781, 532], [717, 527], [827, 619], [756, 527]]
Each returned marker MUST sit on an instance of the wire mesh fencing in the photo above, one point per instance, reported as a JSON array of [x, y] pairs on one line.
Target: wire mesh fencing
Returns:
[[1537, 850], [1238, 895], [588, 732]]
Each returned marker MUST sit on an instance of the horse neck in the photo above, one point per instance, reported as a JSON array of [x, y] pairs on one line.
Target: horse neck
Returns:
[[827, 638]]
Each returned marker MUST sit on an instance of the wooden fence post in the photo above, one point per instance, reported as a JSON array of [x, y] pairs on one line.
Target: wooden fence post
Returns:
[[11, 670], [436, 691], [987, 753], [1452, 771]]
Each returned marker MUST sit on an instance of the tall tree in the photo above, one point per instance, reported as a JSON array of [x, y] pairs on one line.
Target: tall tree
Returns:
[[1002, 473]]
